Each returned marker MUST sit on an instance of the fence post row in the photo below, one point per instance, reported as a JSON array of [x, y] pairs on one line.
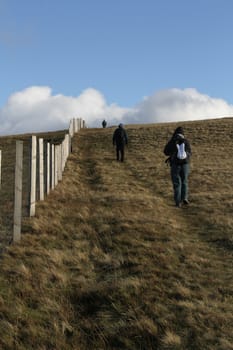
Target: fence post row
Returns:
[[51, 166]]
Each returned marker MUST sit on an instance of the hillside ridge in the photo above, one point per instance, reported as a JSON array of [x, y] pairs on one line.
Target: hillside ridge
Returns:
[[109, 262]]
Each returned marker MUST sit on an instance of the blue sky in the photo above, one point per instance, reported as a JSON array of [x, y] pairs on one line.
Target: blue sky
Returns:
[[114, 59]]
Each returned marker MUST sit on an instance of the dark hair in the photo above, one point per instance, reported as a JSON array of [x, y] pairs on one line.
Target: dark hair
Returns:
[[179, 130]]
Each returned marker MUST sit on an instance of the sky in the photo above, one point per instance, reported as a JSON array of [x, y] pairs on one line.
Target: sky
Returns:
[[128, 61]]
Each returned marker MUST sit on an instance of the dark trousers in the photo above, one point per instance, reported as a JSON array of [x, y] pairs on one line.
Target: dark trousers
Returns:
[[179, 175], [120, 153]]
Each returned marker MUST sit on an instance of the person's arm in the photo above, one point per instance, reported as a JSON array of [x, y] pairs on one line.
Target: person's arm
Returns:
[[126, 138], [188, 148], [169, 148]]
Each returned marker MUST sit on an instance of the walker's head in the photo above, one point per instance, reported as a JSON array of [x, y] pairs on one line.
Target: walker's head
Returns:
[[179, 130], [120, 125]]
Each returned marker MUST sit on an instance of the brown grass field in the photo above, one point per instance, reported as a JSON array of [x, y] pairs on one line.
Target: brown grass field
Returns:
[[110, 263]]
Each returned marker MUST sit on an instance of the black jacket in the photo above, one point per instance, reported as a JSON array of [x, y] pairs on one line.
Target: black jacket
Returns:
[[171, 149], [120, 137]]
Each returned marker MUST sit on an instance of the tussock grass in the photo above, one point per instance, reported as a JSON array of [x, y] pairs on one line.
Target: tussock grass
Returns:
[[109, 262]]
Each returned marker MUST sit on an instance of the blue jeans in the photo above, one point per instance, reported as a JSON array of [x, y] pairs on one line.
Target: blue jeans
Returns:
[[179, 175]]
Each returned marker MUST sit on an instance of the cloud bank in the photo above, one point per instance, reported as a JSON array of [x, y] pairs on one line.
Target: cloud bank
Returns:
[[36, 109]]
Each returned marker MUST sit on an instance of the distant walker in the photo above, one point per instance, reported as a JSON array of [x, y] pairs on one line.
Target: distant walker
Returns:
[[104, 123], [120, 139]]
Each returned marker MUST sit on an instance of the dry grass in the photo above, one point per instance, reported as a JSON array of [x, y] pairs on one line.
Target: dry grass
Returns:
[[109, 262]]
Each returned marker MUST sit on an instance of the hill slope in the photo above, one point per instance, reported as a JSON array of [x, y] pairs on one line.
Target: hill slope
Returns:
[[109, 262]]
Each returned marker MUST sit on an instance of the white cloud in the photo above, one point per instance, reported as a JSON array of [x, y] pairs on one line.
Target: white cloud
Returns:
[[36, 109], [179, 105]]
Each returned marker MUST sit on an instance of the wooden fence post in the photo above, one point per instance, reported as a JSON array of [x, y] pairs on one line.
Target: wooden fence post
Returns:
[[41, 169], [0, 169], [66, 149], [52, 167], [71, 128], [63, 152], [76, 125], [79, 123], [55, 165], [59, 173], [18, 192], [32, 210], [48, 169]]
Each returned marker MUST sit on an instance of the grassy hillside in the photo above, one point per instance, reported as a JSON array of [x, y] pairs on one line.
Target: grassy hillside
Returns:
[[109, 262]]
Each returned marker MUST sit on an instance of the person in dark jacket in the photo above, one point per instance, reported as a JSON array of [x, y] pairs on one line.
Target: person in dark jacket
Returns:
[[179, 151], [104, 123], [120, 139]]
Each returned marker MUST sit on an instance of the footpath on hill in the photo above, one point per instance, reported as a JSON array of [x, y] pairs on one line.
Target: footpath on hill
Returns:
[[109, 262]]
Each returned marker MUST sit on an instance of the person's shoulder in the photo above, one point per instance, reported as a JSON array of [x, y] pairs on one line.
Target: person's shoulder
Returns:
[[170, 142]]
